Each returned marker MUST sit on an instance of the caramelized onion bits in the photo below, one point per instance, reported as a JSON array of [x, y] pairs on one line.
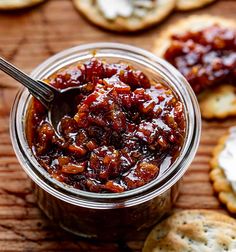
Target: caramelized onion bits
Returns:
[[206, 57], [123, 129]]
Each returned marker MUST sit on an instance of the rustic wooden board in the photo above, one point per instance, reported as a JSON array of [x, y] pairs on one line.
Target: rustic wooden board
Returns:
[[26, 39]]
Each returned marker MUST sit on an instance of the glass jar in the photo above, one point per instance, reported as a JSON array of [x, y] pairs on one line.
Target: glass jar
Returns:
[[112, 215]]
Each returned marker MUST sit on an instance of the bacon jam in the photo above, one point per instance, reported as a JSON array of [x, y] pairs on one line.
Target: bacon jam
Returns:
[[125, 132], [206, 57]]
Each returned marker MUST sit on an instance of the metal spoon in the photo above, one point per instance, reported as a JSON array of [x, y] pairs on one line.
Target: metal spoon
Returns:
[[56, 101]]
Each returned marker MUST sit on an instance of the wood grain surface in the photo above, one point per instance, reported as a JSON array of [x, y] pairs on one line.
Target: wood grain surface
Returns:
[[26, 39]]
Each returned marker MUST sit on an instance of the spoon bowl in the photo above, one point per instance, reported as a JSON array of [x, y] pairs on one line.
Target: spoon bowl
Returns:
[[58, 102], [63, 105]]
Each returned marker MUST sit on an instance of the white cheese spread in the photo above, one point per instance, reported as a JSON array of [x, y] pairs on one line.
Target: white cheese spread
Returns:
[[227, 158], [111, 9]]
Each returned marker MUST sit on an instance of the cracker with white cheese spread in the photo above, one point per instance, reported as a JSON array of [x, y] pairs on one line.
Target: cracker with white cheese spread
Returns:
[[193, 230], [125, 15], [223, 172]]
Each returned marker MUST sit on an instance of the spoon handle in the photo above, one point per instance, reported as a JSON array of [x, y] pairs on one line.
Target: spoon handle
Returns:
[[38, 89]]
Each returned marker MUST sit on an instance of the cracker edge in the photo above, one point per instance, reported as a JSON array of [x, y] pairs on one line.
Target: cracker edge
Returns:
[[220, 183], [203, 102], [20, 5], [191, 6]]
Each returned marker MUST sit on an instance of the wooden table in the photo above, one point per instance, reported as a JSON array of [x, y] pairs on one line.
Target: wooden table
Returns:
[[26, 39]]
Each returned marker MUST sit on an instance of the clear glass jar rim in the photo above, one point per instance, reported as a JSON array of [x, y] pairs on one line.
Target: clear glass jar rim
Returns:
[[147, 191]]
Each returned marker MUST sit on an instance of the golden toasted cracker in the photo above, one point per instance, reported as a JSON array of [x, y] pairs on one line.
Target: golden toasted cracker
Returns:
[[193, 230], [229, 199], [18, 4], [184, 5], [89, 9], [202, 215], [221, 185], [218, 102]]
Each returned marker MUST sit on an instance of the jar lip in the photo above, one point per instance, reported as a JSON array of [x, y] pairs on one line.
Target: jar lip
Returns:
[[159, 184]]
